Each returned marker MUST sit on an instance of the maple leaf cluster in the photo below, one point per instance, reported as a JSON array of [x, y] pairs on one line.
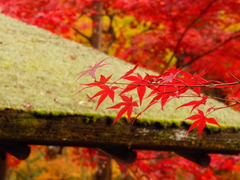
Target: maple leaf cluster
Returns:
[[160, 89]]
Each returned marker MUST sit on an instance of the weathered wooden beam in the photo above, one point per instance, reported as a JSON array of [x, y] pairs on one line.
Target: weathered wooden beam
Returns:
[[97, 131]]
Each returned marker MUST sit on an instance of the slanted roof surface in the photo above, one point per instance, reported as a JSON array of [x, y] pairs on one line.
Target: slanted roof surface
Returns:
[[39, 103]]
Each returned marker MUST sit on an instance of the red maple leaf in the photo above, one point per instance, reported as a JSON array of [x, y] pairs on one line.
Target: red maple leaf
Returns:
[[170, 75], [129, 72], [138, 83], [92, 70], [165, 93], [103, 80], [127, 104], [106, 91], [195, 104], [161, 97], [195, 79], [200, 122]]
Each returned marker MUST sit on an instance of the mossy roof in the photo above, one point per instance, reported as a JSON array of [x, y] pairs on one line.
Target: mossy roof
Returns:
[[37, 71]]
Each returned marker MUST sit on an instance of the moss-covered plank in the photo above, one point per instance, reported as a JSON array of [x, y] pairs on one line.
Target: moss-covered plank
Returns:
[[97, 131]]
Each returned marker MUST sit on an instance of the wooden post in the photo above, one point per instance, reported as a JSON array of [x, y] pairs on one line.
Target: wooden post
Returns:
[[104, 168], [3, 165]]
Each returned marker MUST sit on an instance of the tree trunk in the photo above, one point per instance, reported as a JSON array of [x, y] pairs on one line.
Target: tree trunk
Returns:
[[104, 166], [96, 37]]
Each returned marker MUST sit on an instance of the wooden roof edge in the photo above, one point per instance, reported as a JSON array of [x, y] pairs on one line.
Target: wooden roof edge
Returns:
[[27, 128]]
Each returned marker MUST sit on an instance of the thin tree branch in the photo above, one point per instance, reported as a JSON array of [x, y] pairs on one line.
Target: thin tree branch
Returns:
[[83, 35], [212, 50], [111, 32], [214, 85], [209, 97], [185, 32]]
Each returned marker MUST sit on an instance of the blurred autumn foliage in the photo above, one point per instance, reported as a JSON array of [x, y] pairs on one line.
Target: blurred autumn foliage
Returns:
[[73, 163], [81, 163], [157, 34]]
